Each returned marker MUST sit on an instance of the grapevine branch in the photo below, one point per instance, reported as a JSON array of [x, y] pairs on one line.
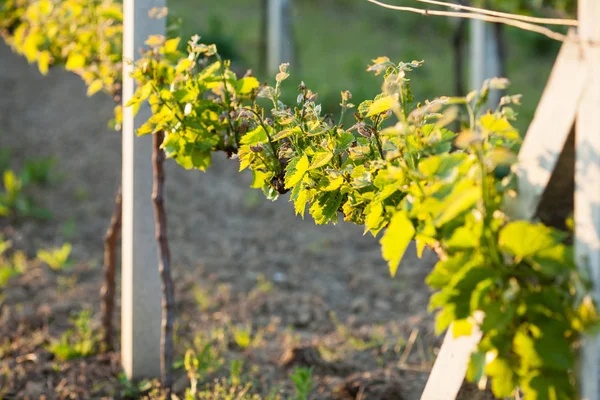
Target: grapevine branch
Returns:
[[107, 292], [164, 260], [488, 18]]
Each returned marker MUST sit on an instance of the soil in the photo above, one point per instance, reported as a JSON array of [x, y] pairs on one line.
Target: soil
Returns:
[[314, 296]]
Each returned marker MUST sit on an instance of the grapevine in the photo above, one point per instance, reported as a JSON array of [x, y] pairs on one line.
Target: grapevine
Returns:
[[400, 171]]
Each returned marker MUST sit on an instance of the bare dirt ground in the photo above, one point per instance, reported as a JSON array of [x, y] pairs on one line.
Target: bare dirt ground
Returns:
[[312, 295]]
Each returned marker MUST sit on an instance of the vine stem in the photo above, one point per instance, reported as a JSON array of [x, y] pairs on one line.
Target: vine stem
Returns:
[[164, 260], [107, 293], [377, 138], [262, 124]]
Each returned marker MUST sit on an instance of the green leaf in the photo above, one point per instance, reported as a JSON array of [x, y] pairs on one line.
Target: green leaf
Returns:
[[287, 132], [548, 385], [382, 105], [300, 202], [44, 62], [462, 327], [523, 239], [295, 171], [154, 41], [75, 61], [396, 239], [171, 45], [30, 46], [183, 65], [503, 378], [374, 218], [320, 159], [444, 318], [201, 159], [476, 367], [145, 129], [457, 203], [499, 126], [94, 87], [258, 180], [254, 137], [56, 258], [247, 85], [12, 184], [325, 209]]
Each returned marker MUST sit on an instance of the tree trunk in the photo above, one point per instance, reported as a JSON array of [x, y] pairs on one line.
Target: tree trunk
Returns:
[[458, 47], [107, 293], [164, 261]]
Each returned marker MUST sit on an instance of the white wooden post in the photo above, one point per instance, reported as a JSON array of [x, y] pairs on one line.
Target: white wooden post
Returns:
[[549, 130], [587, 182], [140, 296], [279, 45], [484, 57]]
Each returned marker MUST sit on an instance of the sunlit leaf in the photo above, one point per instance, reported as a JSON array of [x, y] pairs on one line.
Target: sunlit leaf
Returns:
[[396, 239]]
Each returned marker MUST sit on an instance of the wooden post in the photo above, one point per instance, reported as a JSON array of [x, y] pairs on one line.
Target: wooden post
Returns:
[[141, 287], [279, 34], [549, 130], [587, 182], [484, 57]]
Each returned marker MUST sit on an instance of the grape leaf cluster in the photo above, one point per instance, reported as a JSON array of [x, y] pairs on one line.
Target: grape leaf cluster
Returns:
[[399, 171]]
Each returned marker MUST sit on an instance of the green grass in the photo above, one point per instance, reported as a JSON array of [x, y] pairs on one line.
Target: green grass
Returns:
[[336, 39]]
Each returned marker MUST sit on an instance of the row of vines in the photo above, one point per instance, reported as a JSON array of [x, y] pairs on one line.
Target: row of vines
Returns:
[[391, 164]]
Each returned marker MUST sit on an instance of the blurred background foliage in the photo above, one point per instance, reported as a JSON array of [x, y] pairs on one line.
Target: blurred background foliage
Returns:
[[335, 39]]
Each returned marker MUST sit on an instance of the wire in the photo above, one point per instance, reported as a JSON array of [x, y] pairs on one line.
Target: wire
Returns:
[[488, 18]]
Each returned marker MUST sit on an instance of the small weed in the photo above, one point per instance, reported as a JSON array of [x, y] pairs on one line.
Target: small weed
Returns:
[[203, 299], [236, 367], [10, 266], [14, 200], [354, 342], [68, 229], [263, 286], [38, 171], [77, 342], [57, 258], [201, 361], [133, 390], [66, 283], [242, 337], [222, 390], [302, 378]]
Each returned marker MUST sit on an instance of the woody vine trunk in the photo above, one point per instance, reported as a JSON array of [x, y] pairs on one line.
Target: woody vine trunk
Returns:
[[111, 241], [164, 260], [107, 293]]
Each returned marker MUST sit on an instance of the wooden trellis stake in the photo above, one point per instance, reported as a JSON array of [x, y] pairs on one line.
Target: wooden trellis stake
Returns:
[[571, 96], [141, 288], [484, 57], [279, 43]]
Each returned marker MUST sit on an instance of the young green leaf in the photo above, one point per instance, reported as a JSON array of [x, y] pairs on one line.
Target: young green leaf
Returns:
[[396, 239]]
